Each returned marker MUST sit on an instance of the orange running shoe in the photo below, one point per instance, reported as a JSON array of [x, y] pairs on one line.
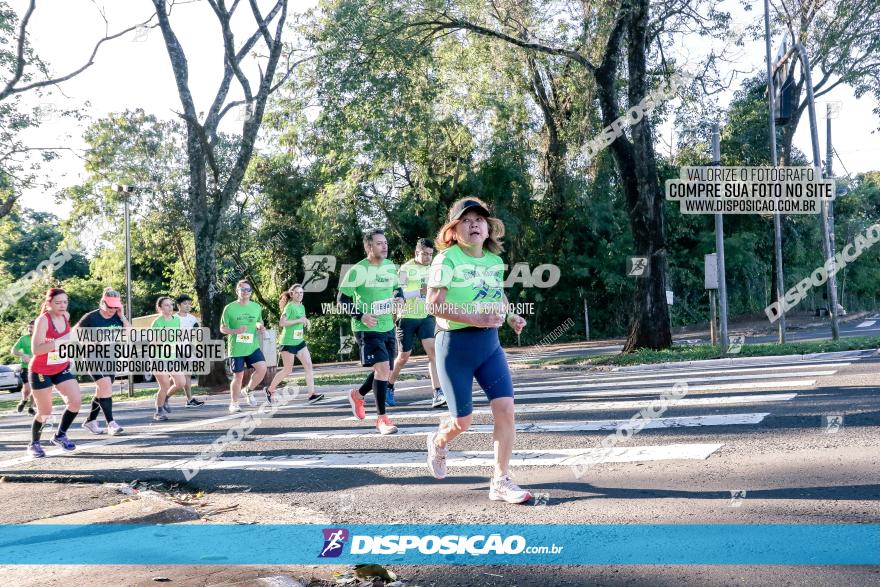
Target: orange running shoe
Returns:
[[357, 404]]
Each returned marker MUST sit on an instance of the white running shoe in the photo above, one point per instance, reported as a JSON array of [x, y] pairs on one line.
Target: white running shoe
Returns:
[[504, 489], [113, 428], [436, 457], [249, 397], [234, 408], [93, 427]]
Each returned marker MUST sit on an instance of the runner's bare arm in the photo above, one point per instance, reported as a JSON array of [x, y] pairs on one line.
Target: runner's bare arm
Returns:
[[515, 321]]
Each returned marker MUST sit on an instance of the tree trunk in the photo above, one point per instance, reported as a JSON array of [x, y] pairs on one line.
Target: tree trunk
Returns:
[[210, 298], [636, 164]]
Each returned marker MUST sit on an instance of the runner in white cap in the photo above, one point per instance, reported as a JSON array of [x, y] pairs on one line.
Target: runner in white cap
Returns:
[[466, 295]]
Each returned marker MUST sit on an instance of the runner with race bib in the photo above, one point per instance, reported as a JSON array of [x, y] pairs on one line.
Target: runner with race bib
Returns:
[[48, 370], [369, 292], [242, 322], [293, 322], [187, 322], [108, 315], [414, 321], [168, 382]]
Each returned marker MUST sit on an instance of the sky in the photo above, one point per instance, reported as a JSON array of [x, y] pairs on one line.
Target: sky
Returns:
[[135, 72]]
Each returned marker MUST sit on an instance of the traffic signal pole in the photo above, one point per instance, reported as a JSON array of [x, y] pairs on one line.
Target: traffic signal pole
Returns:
[[774, 160]]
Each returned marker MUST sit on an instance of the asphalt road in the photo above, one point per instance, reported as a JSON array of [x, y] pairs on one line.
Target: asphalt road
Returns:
[[753, 441]]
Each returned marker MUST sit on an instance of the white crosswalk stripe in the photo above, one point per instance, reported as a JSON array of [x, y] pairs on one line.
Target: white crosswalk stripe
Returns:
[[520, 458], [764, 385], [616, 405], [538, 427], [720, 401], [547, 392]]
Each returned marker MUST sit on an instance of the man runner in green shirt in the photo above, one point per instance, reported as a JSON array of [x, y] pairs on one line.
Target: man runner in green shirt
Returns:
[[414, 321], [22, 350], [369, 292], [242, 322]]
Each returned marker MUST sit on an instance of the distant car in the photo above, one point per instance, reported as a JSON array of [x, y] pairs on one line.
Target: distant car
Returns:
[[10, 378]]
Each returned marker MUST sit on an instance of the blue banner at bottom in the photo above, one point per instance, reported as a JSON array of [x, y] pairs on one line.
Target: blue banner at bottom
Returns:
[[275, 544]]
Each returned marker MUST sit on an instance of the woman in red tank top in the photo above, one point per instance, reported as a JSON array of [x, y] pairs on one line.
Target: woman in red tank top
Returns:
[[48, 370]]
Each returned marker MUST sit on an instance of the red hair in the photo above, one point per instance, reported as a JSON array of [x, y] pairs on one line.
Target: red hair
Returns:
[[50, 295]]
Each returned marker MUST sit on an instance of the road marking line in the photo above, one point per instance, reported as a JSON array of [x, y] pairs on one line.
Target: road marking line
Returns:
[[520, 458], [535, 427], [127, 437], [86, 446], [614, 405], [797, 383], [675, 374], [867, 323]]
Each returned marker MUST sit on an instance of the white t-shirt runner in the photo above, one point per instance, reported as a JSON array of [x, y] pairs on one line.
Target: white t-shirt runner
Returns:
[[188, 321]]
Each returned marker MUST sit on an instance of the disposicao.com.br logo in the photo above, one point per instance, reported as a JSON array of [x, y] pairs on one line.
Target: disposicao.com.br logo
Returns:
[[393, 544]]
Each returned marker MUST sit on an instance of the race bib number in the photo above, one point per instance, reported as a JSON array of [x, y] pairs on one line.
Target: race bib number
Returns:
[[245, 338], [297, 335], [381, 307], [54, 358]]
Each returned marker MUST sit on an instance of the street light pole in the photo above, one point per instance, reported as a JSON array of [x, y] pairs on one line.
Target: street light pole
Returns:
[[719, 248], [774, 161], [126, 190]]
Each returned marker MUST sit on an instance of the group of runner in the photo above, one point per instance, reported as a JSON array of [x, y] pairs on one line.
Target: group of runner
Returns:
[[43, 368], [453, 303]]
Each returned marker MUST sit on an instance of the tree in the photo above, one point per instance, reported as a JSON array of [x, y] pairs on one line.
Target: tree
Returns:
[[21, 72], [842, 38], [620, 48], [210, 187]]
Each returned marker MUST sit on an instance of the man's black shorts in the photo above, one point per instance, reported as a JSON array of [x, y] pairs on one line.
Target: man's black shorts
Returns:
[[376, 347], [410, 328]]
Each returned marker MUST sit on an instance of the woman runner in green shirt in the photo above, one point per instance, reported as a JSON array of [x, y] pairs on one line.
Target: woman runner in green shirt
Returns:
[[168, 382], [466, 296], [293, 322]]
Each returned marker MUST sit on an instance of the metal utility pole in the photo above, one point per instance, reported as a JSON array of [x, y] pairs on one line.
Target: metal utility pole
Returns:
[[829, 161], [774, 159], [586, 319], [127, 190], [826, 213], [719, 247]]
